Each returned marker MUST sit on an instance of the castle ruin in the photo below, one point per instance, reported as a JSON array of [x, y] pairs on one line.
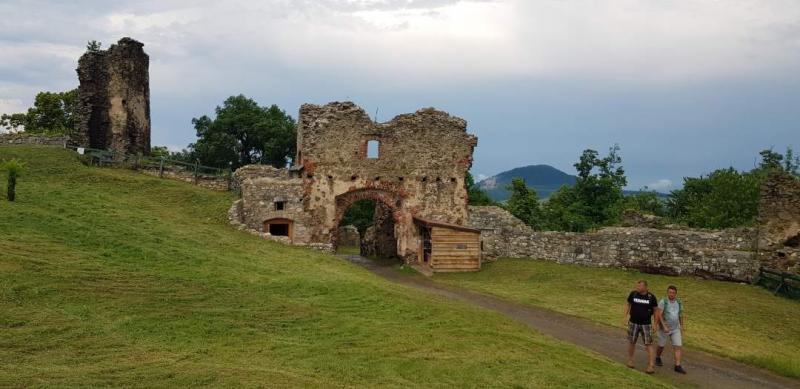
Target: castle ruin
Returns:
[[413, 167], [113, 108]]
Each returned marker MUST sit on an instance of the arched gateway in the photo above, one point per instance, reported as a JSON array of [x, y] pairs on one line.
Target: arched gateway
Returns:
[[413, 166]]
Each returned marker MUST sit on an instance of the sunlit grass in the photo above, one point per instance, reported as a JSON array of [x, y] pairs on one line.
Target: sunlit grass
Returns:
[[113, 278]]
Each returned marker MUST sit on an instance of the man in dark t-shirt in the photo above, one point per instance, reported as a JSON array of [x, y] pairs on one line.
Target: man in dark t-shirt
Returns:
[[639, 311]]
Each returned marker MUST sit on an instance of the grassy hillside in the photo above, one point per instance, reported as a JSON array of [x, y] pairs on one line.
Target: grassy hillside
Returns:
[[744, 322], [112, 278]]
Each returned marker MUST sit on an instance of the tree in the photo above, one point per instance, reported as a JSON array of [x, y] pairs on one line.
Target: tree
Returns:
[[51, 113], [645, 201], [725, 198], [13, 169], [360, 214], [243, 133], [93, 46], [476, 195], [524, 203], [595, 200], [159, 152]]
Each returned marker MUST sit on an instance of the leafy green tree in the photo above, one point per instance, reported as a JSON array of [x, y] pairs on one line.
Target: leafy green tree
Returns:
[[52, 113], [524, 203], [723, 199], [243, 133], [14, 122], [93, 46], [645, 201], [360, 214], [159, 151], [13, 168], [476, 195]]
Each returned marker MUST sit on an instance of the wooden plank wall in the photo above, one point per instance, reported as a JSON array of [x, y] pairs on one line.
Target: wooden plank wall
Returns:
[[455, 250]]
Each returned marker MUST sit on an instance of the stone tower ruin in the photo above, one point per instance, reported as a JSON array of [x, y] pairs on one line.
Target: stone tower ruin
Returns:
[[413, 167], [113, 109]]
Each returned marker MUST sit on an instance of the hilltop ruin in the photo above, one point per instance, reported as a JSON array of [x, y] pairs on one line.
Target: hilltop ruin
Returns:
[[413, 167], [113, 108]]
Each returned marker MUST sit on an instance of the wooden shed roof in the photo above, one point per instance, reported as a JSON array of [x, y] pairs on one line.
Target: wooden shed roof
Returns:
[[437, 223]]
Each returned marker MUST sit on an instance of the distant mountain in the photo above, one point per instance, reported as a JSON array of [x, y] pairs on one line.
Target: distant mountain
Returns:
[[544, 178]]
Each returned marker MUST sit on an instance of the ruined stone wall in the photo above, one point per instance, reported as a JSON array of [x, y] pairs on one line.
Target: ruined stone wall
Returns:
[[113, 108], [348, 236], [423, 158], [33, 139], [726, 254], [261, 187], [208, 182], [779, 222]]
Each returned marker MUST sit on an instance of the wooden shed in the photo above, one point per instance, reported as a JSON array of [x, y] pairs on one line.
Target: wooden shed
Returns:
[[446, 247]]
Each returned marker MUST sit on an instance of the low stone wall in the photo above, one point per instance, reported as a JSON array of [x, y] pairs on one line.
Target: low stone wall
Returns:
[[33, 139], [208, 182], [726, 254]]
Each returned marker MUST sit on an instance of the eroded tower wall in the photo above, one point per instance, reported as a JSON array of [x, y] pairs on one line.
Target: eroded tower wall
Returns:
[[113, 109]]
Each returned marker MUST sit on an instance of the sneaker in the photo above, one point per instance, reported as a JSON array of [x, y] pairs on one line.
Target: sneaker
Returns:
[[659, 362], [679, 369]]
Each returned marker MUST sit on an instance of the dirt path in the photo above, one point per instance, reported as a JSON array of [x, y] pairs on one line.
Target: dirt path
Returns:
[[705, 370]]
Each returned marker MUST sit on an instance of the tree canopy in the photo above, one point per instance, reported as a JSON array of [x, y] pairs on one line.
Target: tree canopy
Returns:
[[476, 195], [242, 132], [51, 113]]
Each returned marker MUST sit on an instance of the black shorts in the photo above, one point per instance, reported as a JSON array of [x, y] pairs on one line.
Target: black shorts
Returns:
[[646, 330]]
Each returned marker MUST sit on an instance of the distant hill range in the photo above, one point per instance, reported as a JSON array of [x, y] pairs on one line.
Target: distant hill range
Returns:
[[544, 178]]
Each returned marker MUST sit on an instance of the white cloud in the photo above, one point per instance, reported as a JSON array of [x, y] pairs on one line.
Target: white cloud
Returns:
[[661, 185]]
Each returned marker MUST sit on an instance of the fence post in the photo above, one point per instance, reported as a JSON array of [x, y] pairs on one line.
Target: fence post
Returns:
[[196, 167], [161, 167], [230, 175]]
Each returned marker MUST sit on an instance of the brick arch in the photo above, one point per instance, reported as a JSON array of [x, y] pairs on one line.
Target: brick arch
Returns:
[[343, 202]]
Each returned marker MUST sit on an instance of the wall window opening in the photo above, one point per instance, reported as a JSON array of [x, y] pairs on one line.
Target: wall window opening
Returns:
[[373, 149], [279, 229], [280, 205]]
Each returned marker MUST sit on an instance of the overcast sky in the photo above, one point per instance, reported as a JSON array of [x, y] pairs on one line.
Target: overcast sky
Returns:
[[684, 86]]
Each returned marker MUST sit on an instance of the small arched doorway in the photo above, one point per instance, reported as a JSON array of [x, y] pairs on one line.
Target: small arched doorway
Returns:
[[374, 212], [279, 227]]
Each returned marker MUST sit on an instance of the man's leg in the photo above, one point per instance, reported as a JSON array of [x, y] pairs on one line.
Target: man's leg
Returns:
[[632, 335], [631, 349], [647, 332], [678, 355], [662, 341]]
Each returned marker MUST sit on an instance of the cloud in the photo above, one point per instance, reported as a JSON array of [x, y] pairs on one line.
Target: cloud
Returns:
[[661, 185], [538, 81]]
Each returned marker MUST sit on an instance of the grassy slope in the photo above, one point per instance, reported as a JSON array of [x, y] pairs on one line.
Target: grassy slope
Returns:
[[744, 322], [109, 277]]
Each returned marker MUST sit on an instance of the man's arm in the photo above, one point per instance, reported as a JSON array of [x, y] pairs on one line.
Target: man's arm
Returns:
[[626, 315]]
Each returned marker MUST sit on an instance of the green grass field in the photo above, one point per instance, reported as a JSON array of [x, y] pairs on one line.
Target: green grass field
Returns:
[[744, 322], [113, 278]]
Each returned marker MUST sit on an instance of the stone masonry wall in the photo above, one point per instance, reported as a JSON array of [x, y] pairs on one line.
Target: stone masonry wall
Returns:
[[208, 182], [726, 254], [423, 158], [261, 187], [779, 222], [33, 139], [113, 108]]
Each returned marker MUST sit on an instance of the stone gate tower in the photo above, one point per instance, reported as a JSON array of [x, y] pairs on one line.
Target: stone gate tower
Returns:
[[113, 109], [412, 166]]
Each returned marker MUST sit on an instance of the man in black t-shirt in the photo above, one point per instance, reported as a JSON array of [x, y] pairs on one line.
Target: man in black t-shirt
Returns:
[[639, 310]]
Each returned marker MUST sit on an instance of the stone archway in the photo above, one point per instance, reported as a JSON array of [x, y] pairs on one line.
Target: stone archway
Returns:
[[388, 211]]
